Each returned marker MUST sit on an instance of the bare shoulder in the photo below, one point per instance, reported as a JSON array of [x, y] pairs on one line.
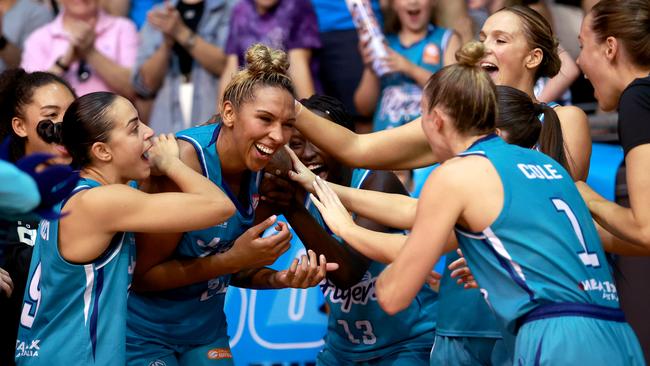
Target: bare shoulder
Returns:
[[463, 172], [188, 155], [571, 115]]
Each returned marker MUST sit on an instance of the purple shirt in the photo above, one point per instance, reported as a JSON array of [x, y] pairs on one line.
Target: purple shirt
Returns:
[[291, 25], [116, 38]]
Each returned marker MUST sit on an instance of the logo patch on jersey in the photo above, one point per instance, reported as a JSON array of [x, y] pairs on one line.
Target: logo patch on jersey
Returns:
[[219, 354], [255, 200], [431, 54], [607, 289], [358, 294], [158, 363], [45, 229], [27, 349]]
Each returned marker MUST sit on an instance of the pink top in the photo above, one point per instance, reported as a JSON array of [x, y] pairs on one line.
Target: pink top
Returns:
[[116, 38]]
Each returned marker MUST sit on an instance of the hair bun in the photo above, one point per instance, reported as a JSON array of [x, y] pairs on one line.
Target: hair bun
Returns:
[[49, 131], [470, 54], [261, 59]]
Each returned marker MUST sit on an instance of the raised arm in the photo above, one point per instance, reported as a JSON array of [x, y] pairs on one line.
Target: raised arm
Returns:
[[300, 71], [388, 209], [561, 82], [156, 272], [201, 203], [399, 283], [632, 225], [404, 147]]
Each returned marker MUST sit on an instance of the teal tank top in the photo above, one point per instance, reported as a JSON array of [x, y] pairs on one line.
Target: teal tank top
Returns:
[[400, 97], [543, 248], [358, 329], [461, 312], [75, 314], [194, 314]]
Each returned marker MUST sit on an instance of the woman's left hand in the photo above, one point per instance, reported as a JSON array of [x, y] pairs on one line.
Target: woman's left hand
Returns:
[[336, 216], [461, 271], [307, 272]]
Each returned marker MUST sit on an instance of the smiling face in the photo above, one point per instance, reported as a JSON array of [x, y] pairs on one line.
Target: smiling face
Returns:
[[260, 126], [414, 15], [128, 141], [49, 101], [316, 160], [597, 68], [507, 50]]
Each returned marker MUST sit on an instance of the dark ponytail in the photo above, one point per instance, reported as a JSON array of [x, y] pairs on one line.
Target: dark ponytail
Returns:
[[17, 89], [551, 141], [518, 118], [85, 122]]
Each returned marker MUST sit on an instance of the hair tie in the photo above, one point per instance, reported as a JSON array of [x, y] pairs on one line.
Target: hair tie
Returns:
[[539, 108]]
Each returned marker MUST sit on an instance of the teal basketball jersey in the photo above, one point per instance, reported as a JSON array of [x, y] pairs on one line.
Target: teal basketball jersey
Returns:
[[194, 314], [75, 314], [463, 312], [400, 97], [542, 255], [358, 329]]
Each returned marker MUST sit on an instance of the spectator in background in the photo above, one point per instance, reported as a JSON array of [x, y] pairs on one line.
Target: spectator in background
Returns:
[[92, 50], [182, 51], [289, 25], [341, 66], [416, 49], [19, 18]]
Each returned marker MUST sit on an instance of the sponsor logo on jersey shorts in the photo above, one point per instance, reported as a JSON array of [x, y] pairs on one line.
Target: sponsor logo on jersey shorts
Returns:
[[219, 354]]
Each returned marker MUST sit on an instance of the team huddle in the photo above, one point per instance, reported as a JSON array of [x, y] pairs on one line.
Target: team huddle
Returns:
[[132, 266]]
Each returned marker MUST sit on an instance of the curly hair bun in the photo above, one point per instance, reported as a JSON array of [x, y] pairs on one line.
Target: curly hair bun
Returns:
[[49, 131], [261, 59], [470, 54]]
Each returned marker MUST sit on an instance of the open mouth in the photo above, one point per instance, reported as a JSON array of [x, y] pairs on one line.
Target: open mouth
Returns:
[[317, 168], [490, 68], [264, 150], [145, 154], [413, 12]]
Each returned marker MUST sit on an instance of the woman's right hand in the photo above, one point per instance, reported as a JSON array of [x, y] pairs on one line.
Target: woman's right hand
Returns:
[[300, 174], [366, 53], [163, 152]]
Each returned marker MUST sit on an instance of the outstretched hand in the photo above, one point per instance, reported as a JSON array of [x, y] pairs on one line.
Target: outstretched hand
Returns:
[[300, 174], [307, 272], [336, 216], [253, 251], [462, 273]]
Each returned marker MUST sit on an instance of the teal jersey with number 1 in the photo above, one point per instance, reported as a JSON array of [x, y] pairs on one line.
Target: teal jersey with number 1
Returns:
[[543, 247]]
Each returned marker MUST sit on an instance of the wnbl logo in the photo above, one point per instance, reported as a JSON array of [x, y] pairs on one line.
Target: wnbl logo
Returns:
[[358, 294]]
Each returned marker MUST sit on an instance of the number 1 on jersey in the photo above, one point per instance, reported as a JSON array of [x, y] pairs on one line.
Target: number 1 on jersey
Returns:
[[588, 259]]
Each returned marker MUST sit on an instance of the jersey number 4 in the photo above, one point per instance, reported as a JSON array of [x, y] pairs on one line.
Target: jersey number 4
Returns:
[[30, 307], [588, 259]]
